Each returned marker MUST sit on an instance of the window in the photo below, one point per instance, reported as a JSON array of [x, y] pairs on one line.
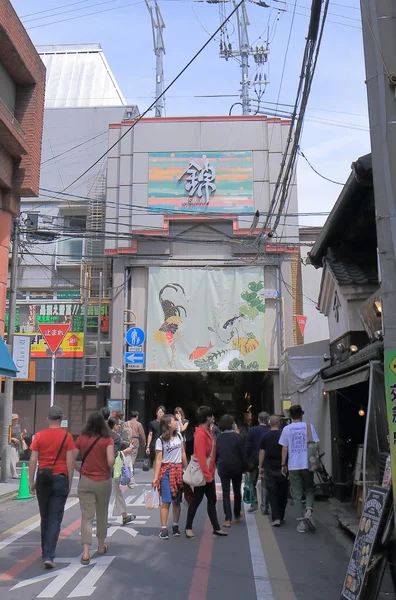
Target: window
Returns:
[[71, 245], [7, 89]]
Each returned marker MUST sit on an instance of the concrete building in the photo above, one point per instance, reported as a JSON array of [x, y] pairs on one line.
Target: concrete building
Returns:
[[62, 234], [184, 256], [22, 79]]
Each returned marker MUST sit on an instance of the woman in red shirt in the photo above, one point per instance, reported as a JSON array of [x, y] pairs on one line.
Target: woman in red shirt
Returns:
[[205, 453], [96, 448]]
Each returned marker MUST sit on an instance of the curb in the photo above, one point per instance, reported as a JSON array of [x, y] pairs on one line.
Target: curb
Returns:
[[8, 496]]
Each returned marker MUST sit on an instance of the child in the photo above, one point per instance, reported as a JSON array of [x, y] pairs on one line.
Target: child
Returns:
[[168, 473]]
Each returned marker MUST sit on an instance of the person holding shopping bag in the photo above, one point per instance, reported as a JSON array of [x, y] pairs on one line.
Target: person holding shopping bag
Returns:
[[96, 448], [203, 461], [168, 473], [117, 499]]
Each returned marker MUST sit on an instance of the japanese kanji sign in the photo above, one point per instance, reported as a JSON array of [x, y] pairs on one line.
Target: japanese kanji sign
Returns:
[[390, 391], [201, 181], [54, 335]]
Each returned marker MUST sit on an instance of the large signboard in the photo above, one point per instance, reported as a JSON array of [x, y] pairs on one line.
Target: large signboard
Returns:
[[206, 320], [366, 542], [202, 181], [30, 316]]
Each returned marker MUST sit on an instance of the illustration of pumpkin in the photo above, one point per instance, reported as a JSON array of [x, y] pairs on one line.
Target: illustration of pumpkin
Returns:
[[245, 344]]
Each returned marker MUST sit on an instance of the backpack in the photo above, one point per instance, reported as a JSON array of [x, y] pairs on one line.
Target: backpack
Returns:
[[126, 433]]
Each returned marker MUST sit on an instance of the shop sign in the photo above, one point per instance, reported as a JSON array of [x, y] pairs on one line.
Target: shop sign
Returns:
[[209, 182], [367, 541], [21, 355], [68, 295], [390, 392]]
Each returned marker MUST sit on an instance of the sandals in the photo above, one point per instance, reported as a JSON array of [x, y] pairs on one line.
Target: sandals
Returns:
[[104, 550], [85, 561]]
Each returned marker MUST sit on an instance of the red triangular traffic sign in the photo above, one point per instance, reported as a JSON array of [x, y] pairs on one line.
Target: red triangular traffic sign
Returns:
[[301, 320], [54, 335]]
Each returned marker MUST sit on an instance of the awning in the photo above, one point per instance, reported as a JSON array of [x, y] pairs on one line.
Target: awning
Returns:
[[7, 366], [347, 379]]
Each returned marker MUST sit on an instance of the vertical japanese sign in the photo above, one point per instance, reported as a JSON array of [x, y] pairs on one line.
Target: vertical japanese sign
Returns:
[[390, 391]]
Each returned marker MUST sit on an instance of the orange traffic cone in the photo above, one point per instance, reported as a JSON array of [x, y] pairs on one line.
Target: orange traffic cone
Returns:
[[24, 493]]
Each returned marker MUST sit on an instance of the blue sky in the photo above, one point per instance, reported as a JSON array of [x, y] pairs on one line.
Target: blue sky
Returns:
[[336, 130]]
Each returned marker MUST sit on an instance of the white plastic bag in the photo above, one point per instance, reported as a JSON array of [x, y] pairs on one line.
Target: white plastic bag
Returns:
[[149, 498], [156, 501]]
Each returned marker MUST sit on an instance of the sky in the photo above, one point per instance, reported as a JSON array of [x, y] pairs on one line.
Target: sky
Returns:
[[336, 129]]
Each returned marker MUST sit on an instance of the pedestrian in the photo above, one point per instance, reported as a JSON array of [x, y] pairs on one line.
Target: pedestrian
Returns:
[[168, 473], [231, 462], [294, 442], [270, 462], [134, 431], [205, 453], [253, 449], [181, 421], [116, 498], [154, 433], [105, 410], [96, 448], [53, 450], [16, 440]]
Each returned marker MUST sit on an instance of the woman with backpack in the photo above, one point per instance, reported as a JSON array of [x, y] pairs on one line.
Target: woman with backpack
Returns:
[[96, 448], [168, 473]]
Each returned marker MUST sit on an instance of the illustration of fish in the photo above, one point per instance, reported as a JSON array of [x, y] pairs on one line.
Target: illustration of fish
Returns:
[[200, 351], [231, 321]]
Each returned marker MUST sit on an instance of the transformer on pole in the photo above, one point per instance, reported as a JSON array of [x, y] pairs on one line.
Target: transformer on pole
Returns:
[[158, 26]]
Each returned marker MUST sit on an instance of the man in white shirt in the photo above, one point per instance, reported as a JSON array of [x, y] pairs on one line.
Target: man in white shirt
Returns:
[[294, 442]]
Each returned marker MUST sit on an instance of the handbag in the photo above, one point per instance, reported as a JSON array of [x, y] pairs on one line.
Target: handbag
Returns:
[[247, 491], [193, 475], [146, 465], [117, 467], [45, 475], [312, 451], [24, 445], [125, 478]]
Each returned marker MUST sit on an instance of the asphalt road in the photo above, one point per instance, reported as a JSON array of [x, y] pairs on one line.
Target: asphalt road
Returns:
[[254, 562]]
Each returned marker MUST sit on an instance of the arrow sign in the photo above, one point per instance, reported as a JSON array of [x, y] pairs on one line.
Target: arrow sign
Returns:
[[54, 335], [134, 358]]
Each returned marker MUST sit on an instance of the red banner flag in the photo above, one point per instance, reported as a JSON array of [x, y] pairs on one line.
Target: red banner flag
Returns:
[[54, 335], [301, 320]]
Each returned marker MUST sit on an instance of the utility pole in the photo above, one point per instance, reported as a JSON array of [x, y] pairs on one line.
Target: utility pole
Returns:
[[244, 47], [158, 26], [379, 36], [9, 382]]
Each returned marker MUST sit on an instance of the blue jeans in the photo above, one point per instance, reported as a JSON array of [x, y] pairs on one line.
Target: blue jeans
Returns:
[[51, 500]]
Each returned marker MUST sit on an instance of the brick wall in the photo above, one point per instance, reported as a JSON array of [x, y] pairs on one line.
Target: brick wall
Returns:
[[20, 58]]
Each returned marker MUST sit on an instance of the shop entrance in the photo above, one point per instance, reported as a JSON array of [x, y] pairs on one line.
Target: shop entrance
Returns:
[[231, 393]]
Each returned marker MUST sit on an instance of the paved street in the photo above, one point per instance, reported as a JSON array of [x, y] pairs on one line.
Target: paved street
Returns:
[[256, 561]]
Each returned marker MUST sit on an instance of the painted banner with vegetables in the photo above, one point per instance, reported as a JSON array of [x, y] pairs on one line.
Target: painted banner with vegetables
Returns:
[[209, 319]]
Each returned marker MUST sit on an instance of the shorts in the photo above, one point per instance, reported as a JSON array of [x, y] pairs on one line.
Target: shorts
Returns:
[[165, 491]]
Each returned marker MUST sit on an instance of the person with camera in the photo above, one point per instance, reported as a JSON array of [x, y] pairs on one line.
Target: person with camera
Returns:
[[53, 450]]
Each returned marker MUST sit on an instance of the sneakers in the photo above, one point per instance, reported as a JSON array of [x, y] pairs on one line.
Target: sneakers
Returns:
[[175, 531], [276, 523], [49, 564], [253, 509], [309, 522], [128, 519], [301, 527], [164, 534]]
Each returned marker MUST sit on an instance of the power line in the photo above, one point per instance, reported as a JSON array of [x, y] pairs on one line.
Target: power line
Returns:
[[301, 153]]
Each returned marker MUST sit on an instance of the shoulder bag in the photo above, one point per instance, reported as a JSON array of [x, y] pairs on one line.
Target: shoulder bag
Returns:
[[312, 451], [193, 475], [45, 475]]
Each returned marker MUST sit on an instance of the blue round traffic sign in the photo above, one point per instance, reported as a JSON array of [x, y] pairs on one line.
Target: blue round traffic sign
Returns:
[[135, 337]]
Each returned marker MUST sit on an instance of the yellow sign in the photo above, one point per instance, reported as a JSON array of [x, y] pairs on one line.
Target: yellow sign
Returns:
[[392, 366]]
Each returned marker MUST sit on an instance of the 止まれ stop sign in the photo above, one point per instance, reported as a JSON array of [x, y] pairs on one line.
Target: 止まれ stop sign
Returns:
[[54, 335]]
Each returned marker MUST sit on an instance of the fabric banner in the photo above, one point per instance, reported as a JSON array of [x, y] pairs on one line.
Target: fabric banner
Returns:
[[206, 319]]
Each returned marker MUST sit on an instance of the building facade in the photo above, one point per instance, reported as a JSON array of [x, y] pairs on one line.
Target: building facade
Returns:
[[217, 309], [22, 82], [62, 237]]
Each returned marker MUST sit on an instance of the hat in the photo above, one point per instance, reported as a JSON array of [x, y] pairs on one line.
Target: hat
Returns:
[[296, 411], [55, 413], [14, 416]]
